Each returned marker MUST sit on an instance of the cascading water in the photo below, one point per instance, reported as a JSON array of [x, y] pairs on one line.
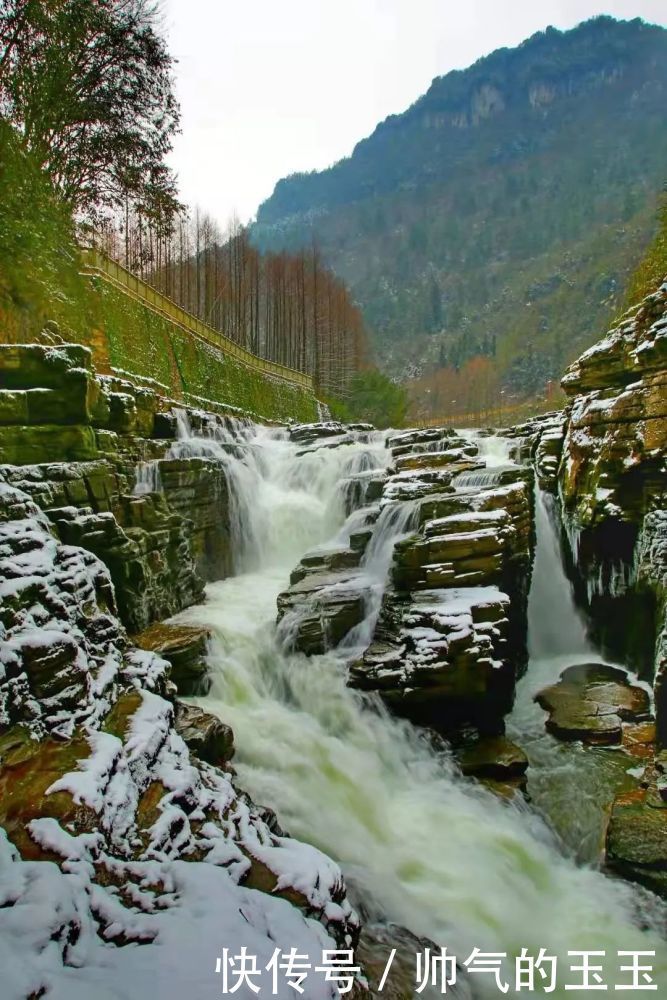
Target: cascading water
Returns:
[[495, 451], [395, 521], [419, 845], [571, 786], [561, 632], [147, 478]]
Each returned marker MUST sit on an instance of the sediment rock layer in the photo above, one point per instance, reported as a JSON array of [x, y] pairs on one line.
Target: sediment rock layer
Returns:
[[612, 481], [121, 822], [94, 454], [447, 638]]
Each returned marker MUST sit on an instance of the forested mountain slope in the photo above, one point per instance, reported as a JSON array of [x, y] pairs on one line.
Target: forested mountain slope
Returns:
[[503, 212]]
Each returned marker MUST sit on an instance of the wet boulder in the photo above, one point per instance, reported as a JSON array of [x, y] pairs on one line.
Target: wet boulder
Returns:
[[185, 648], [636, 838], [359, 540], [460, 459], [318, 611], [362, 489], [414, 485], [432, 439], [330, 434], [326, 561], [206, 736], [591, 702], [440, 657], [495, 762], [376, 943], [309, 433], [421, 436], [495, 757]]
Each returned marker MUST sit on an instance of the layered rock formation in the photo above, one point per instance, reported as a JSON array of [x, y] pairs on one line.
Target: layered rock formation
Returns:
[[95, 454], [108, 785], [436, 569], [610, 470], [612, 475], [450, 638]]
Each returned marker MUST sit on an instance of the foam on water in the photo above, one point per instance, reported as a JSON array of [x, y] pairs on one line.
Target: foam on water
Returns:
[[419, 845]]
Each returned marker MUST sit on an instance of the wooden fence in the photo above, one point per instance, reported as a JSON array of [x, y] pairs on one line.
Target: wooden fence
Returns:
[[97, 263]]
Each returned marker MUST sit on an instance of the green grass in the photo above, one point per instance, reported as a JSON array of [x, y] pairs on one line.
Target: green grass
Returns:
[[142, 341]]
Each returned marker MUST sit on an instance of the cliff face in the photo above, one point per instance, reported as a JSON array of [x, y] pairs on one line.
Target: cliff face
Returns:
[[617, 432], [85, 448], [612, 474], [612, 480]]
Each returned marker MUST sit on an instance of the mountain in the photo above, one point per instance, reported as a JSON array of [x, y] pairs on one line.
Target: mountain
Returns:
[[504, 211]]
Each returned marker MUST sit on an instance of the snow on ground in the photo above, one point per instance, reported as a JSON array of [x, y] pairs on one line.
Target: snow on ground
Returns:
[[143, 850]]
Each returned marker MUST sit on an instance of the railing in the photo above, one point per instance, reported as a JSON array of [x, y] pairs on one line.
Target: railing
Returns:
[[97, 263]]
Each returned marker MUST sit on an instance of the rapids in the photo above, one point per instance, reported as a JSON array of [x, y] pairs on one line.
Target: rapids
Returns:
[[419, 845]]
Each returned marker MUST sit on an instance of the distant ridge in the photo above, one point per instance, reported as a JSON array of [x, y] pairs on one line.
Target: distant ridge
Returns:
[[504, 210]]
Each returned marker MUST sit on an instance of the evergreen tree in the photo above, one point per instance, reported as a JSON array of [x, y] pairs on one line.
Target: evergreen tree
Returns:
[[87, 85]]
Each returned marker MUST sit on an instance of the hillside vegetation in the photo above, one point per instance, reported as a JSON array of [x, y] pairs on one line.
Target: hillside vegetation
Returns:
[[653, 267], [503, 213], [88, 113], [39, 260], [41, 281]]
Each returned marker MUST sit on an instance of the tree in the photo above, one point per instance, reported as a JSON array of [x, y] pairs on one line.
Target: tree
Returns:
[[375, 398], [88, 86], [39, 263], [435, 295]]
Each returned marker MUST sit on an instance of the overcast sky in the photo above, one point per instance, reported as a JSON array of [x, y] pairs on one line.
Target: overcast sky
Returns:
[[268, 87]]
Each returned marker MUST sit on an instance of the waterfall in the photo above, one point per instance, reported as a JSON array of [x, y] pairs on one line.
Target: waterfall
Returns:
[[570, 786], [396, 521], [147, 478], [555, 626], [496, 453], [478, 479], [419, 845], [495, 450]]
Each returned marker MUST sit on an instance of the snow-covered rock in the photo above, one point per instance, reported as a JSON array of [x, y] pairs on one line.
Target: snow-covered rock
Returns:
[[114, 835]]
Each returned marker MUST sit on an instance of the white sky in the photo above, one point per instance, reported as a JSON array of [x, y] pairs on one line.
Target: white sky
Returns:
[[269, 87]]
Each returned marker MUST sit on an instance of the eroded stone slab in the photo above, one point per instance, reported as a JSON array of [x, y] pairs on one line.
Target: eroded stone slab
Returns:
[[185, 648], [636, 842], [206, 736], [591, 702]]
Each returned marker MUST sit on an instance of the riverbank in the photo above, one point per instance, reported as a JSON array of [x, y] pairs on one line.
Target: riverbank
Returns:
[[363, 620]]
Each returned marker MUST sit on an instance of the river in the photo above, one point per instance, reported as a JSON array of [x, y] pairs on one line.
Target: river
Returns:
[[419, 845]]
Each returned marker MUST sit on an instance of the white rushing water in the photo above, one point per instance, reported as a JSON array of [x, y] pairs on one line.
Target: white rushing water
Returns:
[[419, 845], [570, 785]]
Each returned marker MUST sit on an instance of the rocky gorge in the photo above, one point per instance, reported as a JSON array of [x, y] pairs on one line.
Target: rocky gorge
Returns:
[[213, 632], [605, 461]]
